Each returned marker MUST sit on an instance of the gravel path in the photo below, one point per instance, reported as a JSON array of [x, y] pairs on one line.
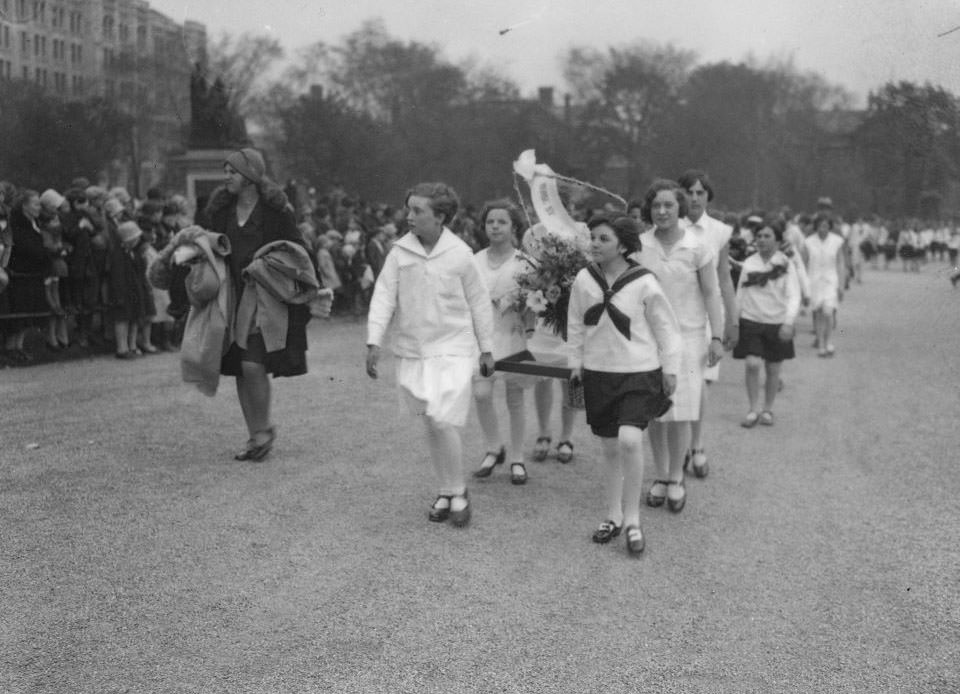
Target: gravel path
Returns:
[[821, 555]]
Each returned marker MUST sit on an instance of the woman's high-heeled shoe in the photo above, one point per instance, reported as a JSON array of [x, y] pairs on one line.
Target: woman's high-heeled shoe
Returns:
[[258, 451]]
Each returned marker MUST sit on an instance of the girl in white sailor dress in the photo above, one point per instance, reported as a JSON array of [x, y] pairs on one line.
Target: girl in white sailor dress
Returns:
[[430, 295], [625, 346]]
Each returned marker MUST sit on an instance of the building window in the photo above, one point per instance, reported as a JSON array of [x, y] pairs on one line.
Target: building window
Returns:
[[124, 33], [108, 27], [141, 37], [26, 72], [24, 43]]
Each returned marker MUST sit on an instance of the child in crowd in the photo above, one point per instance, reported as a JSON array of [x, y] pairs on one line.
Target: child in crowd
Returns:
[[129, 292], [53, 204], [432, 292], [625, 346]]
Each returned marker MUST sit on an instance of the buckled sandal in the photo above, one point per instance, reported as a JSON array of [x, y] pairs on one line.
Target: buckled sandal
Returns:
[[542, 448], [490, 460], [656, 499], [635, 540], [518, 473], [606, 532], [766, 418], [676, 505], [750, 420], [258, 451], [564, 451], [440, 510], [460, 517]]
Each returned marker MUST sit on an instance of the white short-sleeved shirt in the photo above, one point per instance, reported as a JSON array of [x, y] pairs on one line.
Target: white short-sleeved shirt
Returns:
[[501, 283], [714, 233], [676, 268]]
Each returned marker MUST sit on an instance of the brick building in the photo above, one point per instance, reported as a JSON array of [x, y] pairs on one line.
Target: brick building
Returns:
[[120, 50]]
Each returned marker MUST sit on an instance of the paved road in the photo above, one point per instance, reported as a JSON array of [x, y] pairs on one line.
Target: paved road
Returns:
[[821, 555]]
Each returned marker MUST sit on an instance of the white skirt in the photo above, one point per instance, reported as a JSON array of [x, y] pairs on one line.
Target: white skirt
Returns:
[[711, 373], [693, 361], [438, 387]]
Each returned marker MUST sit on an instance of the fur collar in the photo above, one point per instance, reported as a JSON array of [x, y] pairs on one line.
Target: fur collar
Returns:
[[271, 194]]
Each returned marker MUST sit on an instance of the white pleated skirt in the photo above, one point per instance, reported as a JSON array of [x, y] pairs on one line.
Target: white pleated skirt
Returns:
[[438, 387]]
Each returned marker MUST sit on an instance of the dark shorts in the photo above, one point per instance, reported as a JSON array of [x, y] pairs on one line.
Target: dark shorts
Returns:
[[623, 399], [761, 340]]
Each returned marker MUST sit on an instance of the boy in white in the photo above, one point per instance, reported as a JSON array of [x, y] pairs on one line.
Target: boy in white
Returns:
[[441, 311], [624, 344], [823, 253]]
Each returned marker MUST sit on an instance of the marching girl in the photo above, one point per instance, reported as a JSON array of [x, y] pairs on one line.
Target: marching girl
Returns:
[[430, 291], [769, 298], [684, 266], [624, 345], [498, 265]]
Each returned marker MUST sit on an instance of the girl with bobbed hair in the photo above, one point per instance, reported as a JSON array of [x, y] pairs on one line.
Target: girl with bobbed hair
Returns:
[[624, 345], [684, 266], [769, 299], [430, 295], [498, 265], [658, 186]]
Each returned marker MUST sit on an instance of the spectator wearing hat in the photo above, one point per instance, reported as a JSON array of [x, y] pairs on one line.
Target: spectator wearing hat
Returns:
[[174, 219], [81, 283], [29, 264], [252, 211], [7, 191], [131, 301], [52, 206]]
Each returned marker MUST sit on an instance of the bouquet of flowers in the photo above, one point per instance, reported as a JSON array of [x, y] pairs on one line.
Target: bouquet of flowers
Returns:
[[544, 284]]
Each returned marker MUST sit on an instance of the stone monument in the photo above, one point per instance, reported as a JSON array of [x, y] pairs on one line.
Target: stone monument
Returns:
[[216, 129]]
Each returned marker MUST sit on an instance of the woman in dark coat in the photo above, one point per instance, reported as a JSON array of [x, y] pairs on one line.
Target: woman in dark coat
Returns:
[[29, 264], [253, 211]]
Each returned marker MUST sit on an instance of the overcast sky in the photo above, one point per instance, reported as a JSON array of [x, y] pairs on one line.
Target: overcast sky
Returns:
[[859, 44]]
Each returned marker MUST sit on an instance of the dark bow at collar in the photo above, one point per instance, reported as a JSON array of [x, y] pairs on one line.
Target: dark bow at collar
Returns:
[[620, 320]]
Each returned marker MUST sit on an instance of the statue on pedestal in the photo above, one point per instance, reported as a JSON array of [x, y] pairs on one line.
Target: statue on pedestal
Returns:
[[213, 123]]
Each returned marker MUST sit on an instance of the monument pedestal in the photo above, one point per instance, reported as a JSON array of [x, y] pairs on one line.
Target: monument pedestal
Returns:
[[197, 173]]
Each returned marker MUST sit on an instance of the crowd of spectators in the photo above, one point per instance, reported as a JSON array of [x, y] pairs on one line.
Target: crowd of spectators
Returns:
[[73, 270], [72, 262]]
